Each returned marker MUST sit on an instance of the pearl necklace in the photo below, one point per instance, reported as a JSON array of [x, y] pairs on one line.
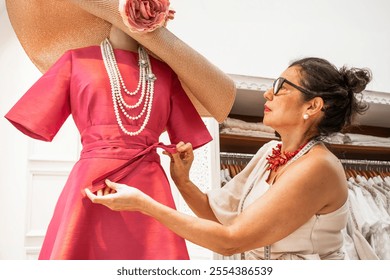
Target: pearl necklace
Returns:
[[145, 84]]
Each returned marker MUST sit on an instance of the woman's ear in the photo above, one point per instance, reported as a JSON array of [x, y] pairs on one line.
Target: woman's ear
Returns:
[[316, 105]]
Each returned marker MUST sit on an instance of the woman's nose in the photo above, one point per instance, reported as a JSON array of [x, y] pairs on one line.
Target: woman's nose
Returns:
[[268, 94]]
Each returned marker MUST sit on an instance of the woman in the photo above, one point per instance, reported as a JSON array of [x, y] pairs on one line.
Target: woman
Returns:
[[290, 202]]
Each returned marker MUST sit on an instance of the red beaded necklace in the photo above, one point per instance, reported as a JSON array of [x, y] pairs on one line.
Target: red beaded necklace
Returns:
[[277, 158]]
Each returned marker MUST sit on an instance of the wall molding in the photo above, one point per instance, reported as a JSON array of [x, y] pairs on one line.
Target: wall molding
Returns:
[[243, 82], [376, 97], [251, 83]]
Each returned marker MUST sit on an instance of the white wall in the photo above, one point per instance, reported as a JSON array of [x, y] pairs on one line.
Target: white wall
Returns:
[[16, 76], [260, 37]]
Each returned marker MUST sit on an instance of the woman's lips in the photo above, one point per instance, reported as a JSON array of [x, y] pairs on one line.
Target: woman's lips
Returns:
[[266, 109]]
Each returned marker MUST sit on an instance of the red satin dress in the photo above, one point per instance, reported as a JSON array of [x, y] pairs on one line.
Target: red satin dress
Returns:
[[78, 84]]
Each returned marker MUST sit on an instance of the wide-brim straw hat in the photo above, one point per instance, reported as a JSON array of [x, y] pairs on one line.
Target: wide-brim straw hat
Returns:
[[48, 28]]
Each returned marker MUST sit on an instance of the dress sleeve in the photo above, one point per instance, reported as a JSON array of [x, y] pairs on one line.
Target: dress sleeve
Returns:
[[184, 123], [43, 109]]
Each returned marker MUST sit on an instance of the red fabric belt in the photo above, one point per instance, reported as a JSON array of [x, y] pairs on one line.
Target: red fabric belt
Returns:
[[121, 171]]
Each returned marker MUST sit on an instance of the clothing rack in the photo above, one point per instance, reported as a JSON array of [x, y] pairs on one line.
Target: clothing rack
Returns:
[[360, 162], [366, 168], [232, 164], [358, 165], [227, 155], [366, 165], [364, 162]]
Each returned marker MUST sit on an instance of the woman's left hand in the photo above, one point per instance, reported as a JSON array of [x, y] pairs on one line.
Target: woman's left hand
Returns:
[[181, 162], [120, 198]]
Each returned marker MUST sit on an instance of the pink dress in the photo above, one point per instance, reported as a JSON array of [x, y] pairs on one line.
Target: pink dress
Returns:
[[78, 84]]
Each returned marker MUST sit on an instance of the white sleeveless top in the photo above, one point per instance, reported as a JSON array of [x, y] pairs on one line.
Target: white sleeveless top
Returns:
[[320, 237]]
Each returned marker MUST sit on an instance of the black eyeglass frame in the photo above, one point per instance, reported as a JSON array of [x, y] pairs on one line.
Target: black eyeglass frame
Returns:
[[284, 80]]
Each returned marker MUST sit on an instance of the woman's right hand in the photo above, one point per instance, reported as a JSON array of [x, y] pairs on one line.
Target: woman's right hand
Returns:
[[120, 197], [181, 162]]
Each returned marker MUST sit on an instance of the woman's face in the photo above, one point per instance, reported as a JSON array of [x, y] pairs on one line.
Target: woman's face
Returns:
[[287, 107]]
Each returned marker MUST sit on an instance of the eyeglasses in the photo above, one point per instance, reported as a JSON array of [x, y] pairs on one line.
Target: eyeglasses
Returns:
[[278, 83]]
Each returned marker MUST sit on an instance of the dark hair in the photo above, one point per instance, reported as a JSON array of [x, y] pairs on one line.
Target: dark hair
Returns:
[[337, 87]]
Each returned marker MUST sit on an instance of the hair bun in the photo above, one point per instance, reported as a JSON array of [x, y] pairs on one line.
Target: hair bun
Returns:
[[356, 79]]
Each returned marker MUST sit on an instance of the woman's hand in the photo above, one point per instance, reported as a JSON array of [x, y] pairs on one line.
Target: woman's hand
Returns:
[[181, 162], [119, 197]]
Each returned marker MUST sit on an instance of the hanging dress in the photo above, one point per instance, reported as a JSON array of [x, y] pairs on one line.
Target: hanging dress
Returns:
[[78, 85]]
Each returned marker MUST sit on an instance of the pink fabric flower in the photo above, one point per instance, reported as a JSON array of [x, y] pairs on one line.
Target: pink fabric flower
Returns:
[[145, 15]]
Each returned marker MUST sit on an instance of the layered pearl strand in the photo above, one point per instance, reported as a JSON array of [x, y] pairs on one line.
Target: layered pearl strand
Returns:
[[145, 85]]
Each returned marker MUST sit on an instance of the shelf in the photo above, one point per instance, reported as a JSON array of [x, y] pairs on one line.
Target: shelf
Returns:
[[360, 152], [250, 145], [241, 144]]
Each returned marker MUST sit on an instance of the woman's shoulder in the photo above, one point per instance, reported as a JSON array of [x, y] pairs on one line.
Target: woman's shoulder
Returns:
[[334, 183], [321, 156], [318, 177], [320, 162], [326, 174], [317, 169]]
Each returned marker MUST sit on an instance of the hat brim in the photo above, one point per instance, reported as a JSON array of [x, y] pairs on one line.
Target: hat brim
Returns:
[[47, 28]]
